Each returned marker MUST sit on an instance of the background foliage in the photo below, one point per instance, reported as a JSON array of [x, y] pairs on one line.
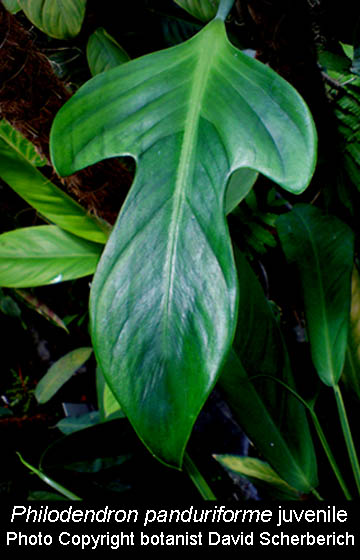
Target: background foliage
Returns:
[[296, 337]]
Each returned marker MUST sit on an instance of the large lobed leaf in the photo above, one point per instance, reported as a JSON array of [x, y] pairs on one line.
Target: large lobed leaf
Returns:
[[164, 298], [322, 248]]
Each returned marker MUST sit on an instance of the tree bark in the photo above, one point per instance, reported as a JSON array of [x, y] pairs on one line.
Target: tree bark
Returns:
[[30, 96]]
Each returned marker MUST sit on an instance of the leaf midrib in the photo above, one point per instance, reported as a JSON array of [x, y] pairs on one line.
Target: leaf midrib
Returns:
[[186, 160]]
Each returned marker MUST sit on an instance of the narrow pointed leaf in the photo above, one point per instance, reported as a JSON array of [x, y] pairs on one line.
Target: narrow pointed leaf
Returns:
[[103, 52], [41, 308], [164, 299], [50, 481], [50, 201], [200, 9], [271, 416], [61, 19], [256, 470], [60, 372], [322, 248], [37, 256], [20, 144]]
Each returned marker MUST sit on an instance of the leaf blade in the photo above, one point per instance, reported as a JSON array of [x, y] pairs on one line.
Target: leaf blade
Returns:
[[60, 19], [103, 52], [173, 107], [60, 372], [323, 249], [41, 255], [46, 198]]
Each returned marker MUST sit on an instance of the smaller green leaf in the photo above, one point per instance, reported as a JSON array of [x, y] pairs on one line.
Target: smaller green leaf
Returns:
[[55, 485], [322, 248], [61, 19], [39, 192], [253, 468], [8, 306], [12, 6], [73, 424], [176, 30], [60, 372], [20, 144], [109, 407], [239, 185], [41, 255], [272, 418], [103, 52], [41, 308], [205, 10]]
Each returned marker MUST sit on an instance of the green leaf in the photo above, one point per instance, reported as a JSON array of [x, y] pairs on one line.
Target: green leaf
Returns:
[[61, 19], [271, 416], [20, 144], [8, 306], [200, 9], [39, 192], [240, 184], [12, 5], [50, 481], [109, 407], [60, 372], [164, 298], [34, 303], [103, 52], [73, 424], [257, 470], [41, 255], [322, 248]]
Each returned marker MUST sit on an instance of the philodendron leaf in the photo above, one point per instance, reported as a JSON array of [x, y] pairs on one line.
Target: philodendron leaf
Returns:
[[271, 416], [20, 144], [103, 52], [163, 302], [61, 19], [41, 255], [256, 470], [12, 5], [240, 184], [50, 481], [109, 407], [50, 201], [322, 247], [72, 424], [201, 9], [60, 372]]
